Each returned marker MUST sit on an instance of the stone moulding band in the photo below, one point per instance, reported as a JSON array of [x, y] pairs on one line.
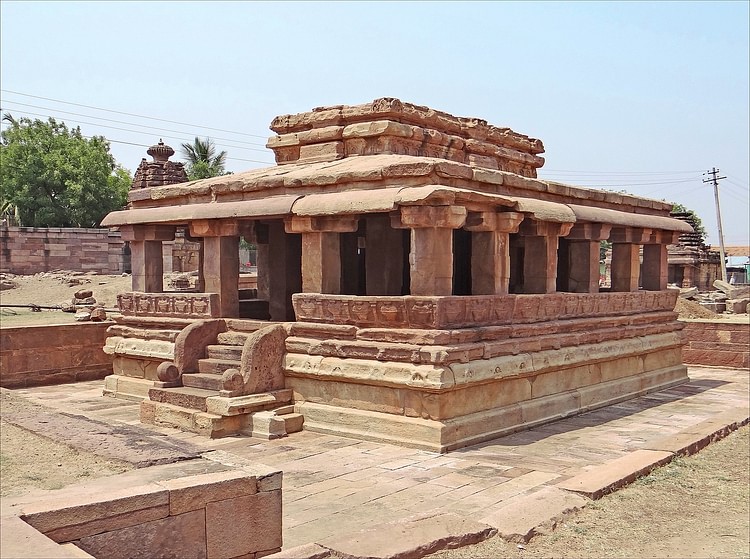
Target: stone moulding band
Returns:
[[468, 311], [183, 305]]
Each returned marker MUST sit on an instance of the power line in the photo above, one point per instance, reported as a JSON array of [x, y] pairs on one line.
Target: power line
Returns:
[[124, 122], [132, 114], [142, 132]]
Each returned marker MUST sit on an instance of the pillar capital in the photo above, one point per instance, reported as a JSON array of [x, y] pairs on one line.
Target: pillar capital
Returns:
[[220, 228], [502, 222], [661, 237], [147, 232], [419, 217], [322, 224], [534, 228], [589, 232], [630, 235]]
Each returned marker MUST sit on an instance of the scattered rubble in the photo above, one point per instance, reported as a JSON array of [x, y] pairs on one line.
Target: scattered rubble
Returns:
[[726, 299]]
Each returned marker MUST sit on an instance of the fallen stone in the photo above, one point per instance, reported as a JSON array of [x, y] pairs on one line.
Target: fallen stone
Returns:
[[732, 292], [7, 284], [410, 538], [688, 292], [98, 315], [738, 306], [84, 301], [82, 316], [67, 307], [526, 516], [83, 293]]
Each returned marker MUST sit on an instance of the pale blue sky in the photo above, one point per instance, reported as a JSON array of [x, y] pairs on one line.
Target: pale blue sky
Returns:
[[642, 97]]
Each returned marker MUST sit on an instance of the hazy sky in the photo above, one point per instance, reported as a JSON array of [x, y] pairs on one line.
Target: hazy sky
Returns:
[[635, 96]]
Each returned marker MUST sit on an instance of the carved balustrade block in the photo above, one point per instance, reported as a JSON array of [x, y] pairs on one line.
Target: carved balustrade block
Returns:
[[184, 305], [483, 310]]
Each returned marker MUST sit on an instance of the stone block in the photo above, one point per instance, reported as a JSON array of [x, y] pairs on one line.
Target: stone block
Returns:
[[617, 473], [73, 517], [18, 540], [192, 493], [412, 537], [524, 516], [175, 537], [243, 525]]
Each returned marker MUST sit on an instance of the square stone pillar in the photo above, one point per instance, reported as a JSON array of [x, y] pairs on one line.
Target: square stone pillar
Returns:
[[655, 268], [261, 260], [431, 250], [626, 259], [583, 244], [321, 256], [490, 255], [146, 258], [540, 254], [384, 258], [284, 271], [220, 263]]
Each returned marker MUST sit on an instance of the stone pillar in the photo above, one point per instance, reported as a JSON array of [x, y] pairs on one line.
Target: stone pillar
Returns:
[[146, 255], [431, 252], [540, 254], [221, 262], [490, 255], [583, 243], [655, 269], [626, 261], [284, 276], [384, 258], [321, 256], [262, 263]]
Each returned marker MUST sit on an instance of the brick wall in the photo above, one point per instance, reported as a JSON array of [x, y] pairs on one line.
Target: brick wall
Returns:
[[29, 250], [716, 343], [39, 355]]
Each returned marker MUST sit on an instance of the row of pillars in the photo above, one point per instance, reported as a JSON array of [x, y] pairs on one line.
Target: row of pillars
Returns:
[[555, 256]]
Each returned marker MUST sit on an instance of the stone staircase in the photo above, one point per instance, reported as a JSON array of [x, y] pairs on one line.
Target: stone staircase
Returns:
[[199, 407]]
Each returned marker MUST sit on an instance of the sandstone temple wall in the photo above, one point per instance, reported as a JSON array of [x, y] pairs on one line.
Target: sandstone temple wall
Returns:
[[716, 343], [41, 355], [30, 250]]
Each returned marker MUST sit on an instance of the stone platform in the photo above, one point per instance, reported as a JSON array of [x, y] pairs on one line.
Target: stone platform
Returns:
[[335, 486]]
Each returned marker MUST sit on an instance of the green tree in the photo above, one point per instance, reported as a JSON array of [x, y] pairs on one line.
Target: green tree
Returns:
[[202, 159], [54, 177]]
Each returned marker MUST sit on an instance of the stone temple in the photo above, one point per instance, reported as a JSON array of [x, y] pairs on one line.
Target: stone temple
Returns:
[[417, 284]]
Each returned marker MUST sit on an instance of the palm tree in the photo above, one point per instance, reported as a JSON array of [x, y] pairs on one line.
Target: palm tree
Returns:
[[202, 159]]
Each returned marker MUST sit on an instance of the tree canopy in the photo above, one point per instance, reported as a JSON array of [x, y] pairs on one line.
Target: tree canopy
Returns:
[[54, 177], [202, 160]]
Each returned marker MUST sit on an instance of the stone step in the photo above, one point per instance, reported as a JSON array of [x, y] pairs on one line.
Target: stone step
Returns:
[[268, 425], [224, 352], [246, 325], [206, 381], [232, 338], [183, 397], [216, 366], [191, 420]]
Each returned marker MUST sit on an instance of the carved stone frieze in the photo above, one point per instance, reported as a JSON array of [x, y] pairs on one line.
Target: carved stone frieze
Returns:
[[481, 310], [178, 305]]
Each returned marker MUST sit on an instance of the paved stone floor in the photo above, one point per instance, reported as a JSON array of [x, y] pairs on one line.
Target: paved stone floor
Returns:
[[335, 485]]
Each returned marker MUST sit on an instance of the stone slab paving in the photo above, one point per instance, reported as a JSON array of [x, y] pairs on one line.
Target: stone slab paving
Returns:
[[334, 486]]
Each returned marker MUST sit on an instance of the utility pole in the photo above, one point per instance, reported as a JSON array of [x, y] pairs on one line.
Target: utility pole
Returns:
[[715, 180]]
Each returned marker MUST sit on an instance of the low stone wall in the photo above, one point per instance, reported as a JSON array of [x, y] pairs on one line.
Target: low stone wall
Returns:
[[39, 355], [227, 514], [716, 343], [30, 250]]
